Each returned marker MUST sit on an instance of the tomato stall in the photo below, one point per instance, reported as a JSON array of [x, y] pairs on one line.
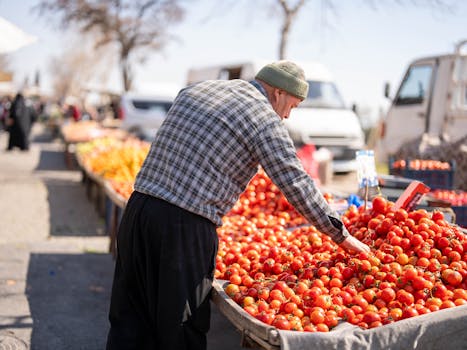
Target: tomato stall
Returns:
[[409, 292], [285, 285]]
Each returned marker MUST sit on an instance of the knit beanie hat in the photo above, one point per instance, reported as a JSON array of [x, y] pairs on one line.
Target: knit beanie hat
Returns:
[[285, 75]]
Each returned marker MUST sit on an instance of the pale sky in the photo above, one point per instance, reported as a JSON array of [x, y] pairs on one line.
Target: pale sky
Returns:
[[361, 46]]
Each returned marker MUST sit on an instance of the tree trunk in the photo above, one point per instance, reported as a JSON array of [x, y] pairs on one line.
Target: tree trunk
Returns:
[[126, 74], [284, 37], [289, 15]]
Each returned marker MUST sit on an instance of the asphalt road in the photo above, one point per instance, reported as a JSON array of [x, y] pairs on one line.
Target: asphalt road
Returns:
[[55, 269]]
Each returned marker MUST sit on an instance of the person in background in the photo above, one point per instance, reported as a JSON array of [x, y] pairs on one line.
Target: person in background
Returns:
[[19, 123], [74, 112], [5, 104], [115, 108], [214, 138]]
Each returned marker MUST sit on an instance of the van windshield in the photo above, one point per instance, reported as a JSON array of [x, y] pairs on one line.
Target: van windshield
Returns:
[[415, 86], [152, 105], [322, 94]]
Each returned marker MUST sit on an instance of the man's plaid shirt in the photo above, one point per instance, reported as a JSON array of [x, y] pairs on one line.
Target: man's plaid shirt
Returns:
[[210, 145]]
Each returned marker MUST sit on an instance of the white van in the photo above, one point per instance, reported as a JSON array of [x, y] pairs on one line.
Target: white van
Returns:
[[431, 102], [322, 119], [142, 113]]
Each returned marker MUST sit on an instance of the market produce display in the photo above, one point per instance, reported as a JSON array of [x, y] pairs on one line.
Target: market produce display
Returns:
[[451, 196], [433, 173], [296, 278], [285, 273], [84, 131], [421, 164], [262, 204], [116, 161], [457, 200]]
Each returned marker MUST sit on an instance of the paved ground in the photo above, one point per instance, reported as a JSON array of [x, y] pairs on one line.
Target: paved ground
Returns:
[[55, 269]]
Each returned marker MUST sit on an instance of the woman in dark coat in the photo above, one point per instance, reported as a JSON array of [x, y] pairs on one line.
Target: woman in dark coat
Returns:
[[21, 119]]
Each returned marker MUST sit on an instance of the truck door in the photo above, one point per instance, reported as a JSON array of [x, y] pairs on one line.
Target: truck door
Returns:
[[456, 117], [407, 117]]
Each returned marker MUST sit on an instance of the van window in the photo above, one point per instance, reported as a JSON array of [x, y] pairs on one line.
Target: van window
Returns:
[[415, 86], [323, 95], [152, 105], [230, 73]]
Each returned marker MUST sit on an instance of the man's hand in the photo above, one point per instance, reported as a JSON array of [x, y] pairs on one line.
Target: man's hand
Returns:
[[354, 245]]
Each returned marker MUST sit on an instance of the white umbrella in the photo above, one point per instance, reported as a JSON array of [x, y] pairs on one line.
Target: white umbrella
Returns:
[[13, 38]]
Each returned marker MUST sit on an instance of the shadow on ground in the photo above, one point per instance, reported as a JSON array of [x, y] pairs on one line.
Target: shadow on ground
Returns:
[[68, 296], [71, 213], [44, 136], [51, 160]]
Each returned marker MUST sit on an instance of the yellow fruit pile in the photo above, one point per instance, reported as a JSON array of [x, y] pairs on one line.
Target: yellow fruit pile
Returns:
[[117, 161]]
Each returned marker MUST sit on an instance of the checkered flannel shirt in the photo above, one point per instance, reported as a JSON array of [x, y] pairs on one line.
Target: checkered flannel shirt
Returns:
[[210, 145]]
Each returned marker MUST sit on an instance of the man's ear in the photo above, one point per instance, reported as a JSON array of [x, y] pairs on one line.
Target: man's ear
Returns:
[[275, 94]]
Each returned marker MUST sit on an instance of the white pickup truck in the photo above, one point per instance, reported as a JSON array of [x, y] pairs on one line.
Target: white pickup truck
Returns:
[[431, 103]]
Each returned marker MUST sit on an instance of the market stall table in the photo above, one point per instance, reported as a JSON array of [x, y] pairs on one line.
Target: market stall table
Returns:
[[115, 204], [84, 131], [94, 185], [108, 201], [443, 329]]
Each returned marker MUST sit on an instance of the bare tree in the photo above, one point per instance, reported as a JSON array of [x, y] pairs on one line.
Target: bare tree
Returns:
[[289, 13], [79, 66], [136, 26], [290, 9]]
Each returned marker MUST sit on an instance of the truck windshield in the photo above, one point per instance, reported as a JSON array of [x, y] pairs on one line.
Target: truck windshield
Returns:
[[323, 94], [415, 86]]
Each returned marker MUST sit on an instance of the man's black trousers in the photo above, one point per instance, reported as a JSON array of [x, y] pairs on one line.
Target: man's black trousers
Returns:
[[163, 275]]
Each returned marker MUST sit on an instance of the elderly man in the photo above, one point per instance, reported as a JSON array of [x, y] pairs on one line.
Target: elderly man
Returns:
[[210, 145]]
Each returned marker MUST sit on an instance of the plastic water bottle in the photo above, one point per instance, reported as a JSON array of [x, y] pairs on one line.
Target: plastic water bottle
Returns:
[[368, 186]]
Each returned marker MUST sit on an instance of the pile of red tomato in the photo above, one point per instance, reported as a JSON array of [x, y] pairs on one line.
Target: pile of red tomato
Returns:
[[454, 197], [421, 164], [298, 279]]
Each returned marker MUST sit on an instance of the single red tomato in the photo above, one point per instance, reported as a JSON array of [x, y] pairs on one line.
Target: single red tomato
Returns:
[[379, 205]]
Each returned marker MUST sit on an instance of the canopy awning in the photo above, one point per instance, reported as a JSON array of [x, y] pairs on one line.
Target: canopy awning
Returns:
[[13, 38]]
